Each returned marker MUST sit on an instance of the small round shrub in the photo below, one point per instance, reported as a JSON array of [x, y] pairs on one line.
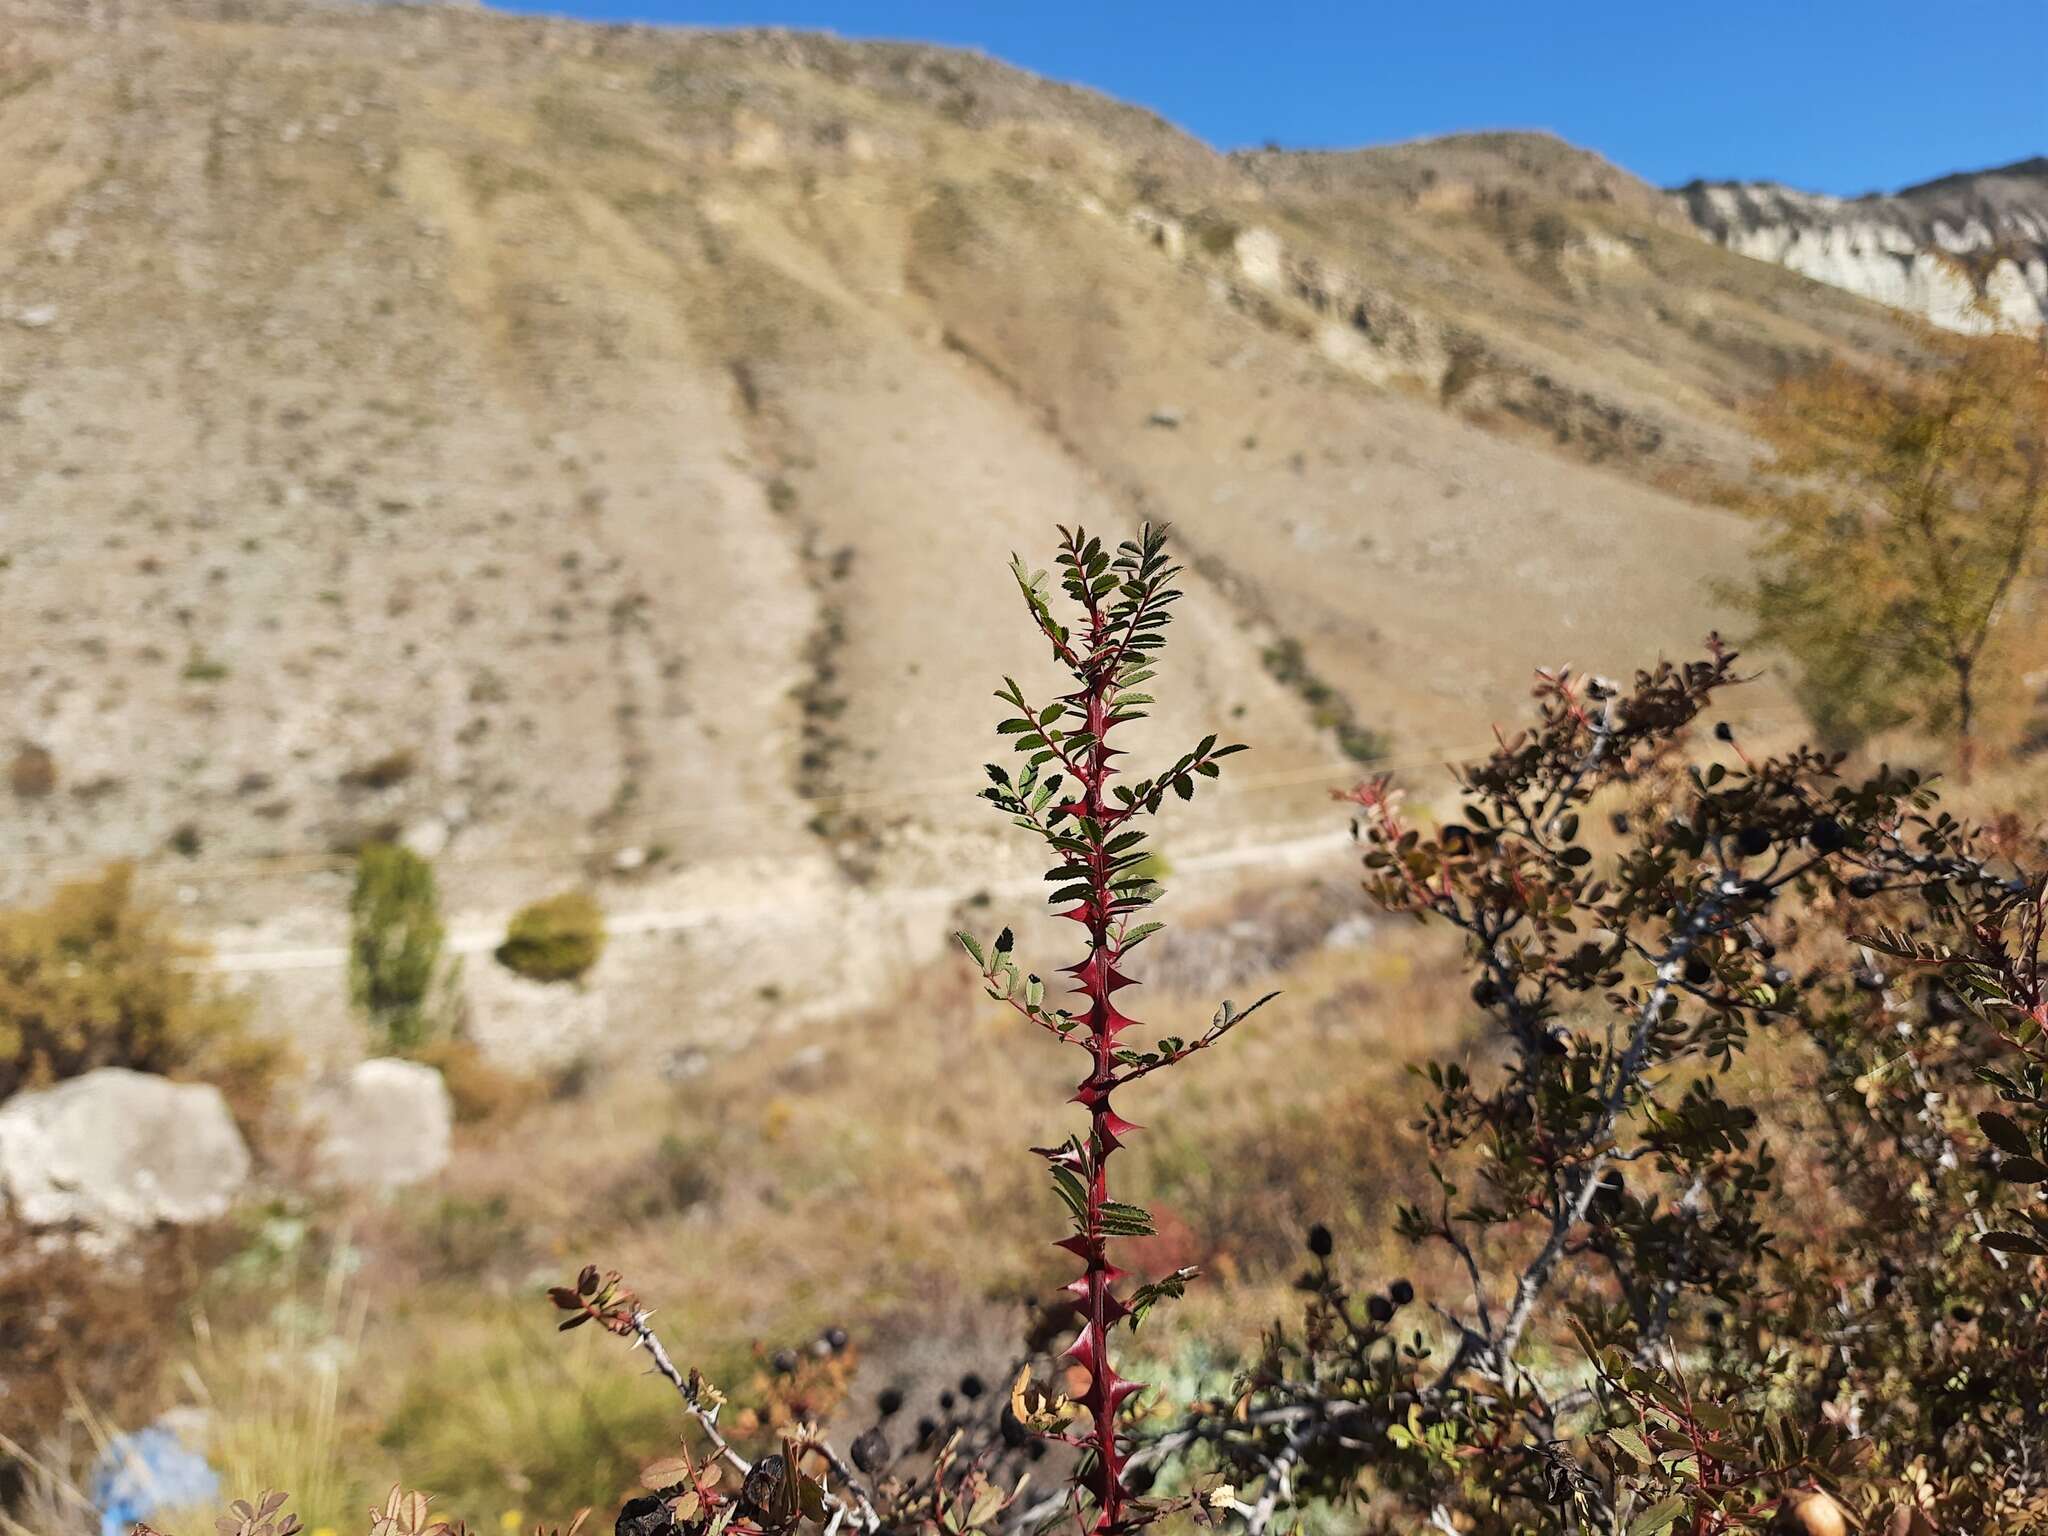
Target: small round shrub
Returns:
[[554, 940]]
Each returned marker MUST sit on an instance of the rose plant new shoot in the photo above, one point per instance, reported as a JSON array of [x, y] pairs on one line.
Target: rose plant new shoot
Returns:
[[1069, 790]]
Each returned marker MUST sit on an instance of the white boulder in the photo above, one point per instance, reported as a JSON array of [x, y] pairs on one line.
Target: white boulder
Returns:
[[385, 1124], [113, 1151]]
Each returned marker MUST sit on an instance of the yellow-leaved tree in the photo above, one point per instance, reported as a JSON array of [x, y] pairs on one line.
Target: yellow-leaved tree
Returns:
[[1901, 564]]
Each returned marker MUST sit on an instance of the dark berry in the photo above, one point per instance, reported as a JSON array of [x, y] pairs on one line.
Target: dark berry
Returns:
[[1619, 821], [1402, 1293], [784, 1362], [763, 1486], [871, 1451], [1484, 992], [1697, 971], [648, 1515], [1961, 1314], [927, 1431], [945, 1402], [835, 1339], [1826, 835], [1320, 1243], [1752, 841], [1723, 731], [1714, 1320], [1870, 981], [972, 1386], [1379, 1309], [889, 1400]]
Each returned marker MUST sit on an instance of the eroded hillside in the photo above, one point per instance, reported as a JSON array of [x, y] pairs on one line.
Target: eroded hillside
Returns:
[[594, 451]]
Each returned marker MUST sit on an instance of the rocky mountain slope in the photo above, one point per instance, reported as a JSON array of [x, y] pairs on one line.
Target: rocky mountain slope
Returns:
[[593, 452], [1969, 252]]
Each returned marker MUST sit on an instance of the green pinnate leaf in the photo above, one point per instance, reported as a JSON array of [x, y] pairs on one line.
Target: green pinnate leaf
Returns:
[[1168, 1288]]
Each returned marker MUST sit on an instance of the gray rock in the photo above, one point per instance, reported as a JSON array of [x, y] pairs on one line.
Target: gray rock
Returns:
[[114, 1151], [387, 1123]]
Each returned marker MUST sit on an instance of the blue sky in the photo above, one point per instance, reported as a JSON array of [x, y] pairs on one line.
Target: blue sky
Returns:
[[1836, 95]]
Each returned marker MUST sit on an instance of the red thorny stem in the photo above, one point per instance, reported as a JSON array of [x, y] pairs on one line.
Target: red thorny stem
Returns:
[[1099, 980]]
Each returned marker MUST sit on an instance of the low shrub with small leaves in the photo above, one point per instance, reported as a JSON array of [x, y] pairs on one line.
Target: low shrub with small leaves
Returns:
[[1737, 1223]]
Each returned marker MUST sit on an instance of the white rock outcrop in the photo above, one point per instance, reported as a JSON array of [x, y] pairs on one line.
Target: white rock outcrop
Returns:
[[115, 1151], [384, 1124], [1968, 252]]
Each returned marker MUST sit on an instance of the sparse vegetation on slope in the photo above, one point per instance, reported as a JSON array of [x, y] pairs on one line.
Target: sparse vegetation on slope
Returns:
[[446, 205]]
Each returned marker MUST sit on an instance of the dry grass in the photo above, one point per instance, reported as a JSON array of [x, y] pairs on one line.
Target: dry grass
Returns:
[[276, 1396], [78, 1330]]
